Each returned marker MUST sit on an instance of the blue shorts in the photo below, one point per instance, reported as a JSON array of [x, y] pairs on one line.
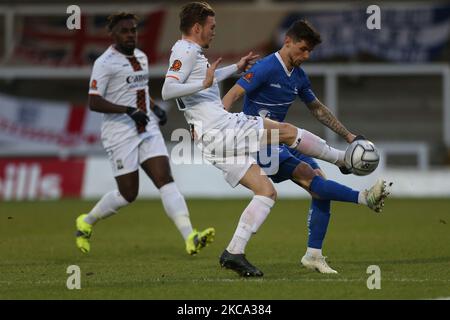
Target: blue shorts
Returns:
[[288, 160]]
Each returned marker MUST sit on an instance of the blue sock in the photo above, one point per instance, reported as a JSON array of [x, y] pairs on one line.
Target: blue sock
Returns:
[[331, 190], [318, 219]]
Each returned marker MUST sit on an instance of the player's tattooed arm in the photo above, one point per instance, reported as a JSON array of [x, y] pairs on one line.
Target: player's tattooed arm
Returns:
[[325, 116], [234, 94]]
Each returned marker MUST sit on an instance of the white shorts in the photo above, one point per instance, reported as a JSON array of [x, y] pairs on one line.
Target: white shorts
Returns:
[[127, 156], [230, 147]]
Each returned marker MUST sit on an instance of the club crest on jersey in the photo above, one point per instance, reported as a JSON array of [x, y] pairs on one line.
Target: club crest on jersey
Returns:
[[94, 84], [248, 77], [176, 65]]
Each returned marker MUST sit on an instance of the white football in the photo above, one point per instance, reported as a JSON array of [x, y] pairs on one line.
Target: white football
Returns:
[[361, 157]]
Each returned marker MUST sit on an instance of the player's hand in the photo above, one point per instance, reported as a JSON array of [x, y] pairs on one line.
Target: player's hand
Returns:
[[139, 116], [209, 80], [160, 113], [358, 137], [247, 62], [350, 138]]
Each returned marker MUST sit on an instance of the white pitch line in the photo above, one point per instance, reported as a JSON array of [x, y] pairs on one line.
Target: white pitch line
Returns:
[[263, 280]]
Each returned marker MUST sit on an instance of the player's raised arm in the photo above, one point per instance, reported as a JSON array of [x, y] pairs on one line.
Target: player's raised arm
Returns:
[[210, 74], [325, 116], [174, 85], [242, 65], [234, 94]]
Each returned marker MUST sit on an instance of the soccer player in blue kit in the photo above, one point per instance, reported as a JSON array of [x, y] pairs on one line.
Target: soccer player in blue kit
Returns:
[[270, 87]]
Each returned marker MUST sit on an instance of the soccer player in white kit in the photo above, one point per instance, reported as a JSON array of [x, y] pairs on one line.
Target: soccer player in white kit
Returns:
[[131, 135], [226, 139]]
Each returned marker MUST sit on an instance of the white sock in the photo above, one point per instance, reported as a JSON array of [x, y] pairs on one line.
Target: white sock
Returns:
[[362, 198], [251, 219], [314, 146], [107, 206], [314, 252], [176, 208]]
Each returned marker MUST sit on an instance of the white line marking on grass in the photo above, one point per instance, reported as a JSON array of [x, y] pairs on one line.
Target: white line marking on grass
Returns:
[[262, 280]]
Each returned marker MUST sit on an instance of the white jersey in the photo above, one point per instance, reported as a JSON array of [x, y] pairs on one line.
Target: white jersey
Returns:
[[188, 65], [122, 80]]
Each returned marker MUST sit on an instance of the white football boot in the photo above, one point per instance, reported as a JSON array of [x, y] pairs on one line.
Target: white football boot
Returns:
[[376, 195], [317, 263]]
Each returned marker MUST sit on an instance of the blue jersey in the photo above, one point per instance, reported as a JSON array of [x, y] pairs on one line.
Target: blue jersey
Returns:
[[271, 89]]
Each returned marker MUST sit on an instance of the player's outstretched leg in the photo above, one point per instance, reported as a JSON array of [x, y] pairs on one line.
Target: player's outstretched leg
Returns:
[[325, 189], [301, 140]]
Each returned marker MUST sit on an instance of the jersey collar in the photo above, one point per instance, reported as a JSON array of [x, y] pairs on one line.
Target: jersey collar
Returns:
[[195, 44], [115, 50], [283, 65]]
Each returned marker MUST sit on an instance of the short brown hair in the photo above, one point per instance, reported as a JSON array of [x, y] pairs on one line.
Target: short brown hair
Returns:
[[302, 30], [194, 12], [116, 17]]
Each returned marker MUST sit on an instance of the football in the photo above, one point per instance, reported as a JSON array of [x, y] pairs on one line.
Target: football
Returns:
[[361, 157]]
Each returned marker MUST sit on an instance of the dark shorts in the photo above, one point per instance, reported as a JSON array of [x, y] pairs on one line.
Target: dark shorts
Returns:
[[288, 160]]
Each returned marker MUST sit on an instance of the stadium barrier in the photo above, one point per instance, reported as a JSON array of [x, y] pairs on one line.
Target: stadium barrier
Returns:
[[50, 178]]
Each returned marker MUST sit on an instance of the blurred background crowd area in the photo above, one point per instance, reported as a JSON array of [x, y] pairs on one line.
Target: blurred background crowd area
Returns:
[[391, 85]]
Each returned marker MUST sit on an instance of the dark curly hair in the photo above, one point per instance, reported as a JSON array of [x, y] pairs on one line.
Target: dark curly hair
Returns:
[[116, 17]]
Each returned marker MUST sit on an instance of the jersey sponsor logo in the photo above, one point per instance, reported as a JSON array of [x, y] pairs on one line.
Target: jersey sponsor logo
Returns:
[[94, 85], [275, 85], [137, 78], [248, 77], [176, 65]]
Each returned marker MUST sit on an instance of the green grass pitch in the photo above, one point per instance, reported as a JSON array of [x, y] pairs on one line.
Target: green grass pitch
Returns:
[[138, 254]]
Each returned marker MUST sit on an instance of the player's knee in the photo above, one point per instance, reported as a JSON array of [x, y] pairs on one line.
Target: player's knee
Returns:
[[267, 191], [162, 180], [129, 195], [287, 131], [272, 194], [319, 172], [304, 174]]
